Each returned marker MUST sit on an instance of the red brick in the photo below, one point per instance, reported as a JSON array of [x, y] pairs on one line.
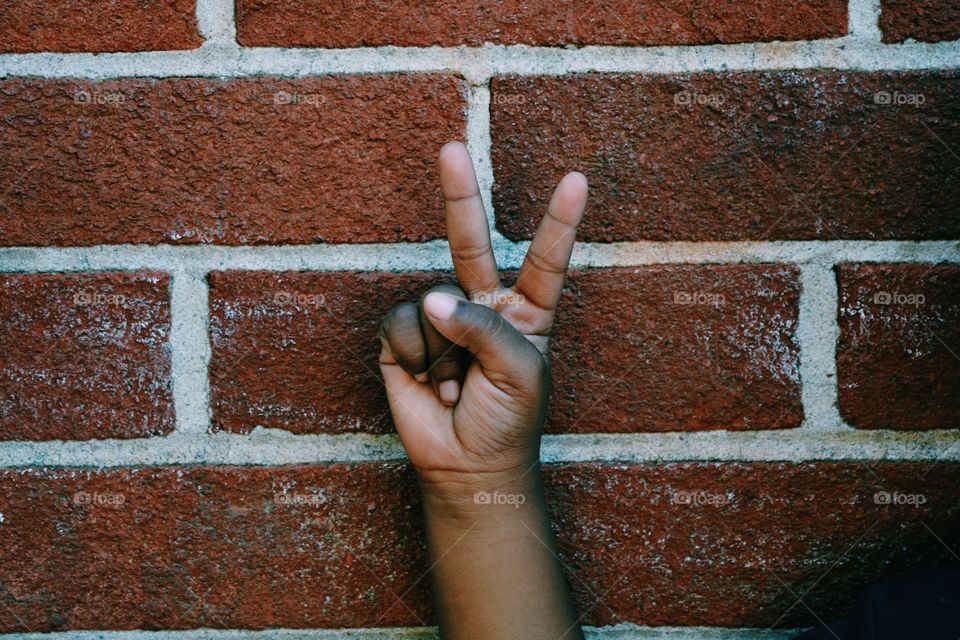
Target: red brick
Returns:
[[774, 155], [631, 354], [536, 22], [634, 361], [90, 25], [785, 531], [309, 365], [897, 355], [217, 547], [242, 161], [224, 547], [85, 355], [923, 20]]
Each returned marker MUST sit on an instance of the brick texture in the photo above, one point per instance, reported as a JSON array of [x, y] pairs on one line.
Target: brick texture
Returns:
[[245, 161], [897, 354], [715, 349], [193, 547], [753, 538], [299, 351], [733, 156], [677, 348], [85, 356], [923, 20], [537, 22], [91, 25], [341, 545]]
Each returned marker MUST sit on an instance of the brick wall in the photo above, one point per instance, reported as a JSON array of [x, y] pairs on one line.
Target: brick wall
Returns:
[[757, 356]]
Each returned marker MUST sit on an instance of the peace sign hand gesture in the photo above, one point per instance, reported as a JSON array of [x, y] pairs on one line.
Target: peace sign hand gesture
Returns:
[[466, 368]]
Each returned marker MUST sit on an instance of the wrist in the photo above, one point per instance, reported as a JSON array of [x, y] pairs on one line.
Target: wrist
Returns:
[[478, 495]]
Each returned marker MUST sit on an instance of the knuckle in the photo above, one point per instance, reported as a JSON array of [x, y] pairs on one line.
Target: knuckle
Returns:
[[399, 320], [473, 251], [543, 263], [389, 321]]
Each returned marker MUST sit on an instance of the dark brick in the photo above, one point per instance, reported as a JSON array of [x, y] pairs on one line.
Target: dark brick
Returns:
[[631, 353], [923, 20], [305, 366], [634, 361], [898, 354], [218, 547], [243, 161], [535, 22], [223, 547], [85, 355], [812, 531], [91, 25], [765, 156]]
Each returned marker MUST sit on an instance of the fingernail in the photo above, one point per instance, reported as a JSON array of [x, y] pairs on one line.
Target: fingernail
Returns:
[[440, 305], [422, 377], [449, 391]]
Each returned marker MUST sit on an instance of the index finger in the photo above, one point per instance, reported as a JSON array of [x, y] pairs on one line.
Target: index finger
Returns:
[[467, 228], [541, 275]]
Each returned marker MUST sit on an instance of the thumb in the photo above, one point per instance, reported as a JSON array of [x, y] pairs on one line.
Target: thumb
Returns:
[[503, 352]]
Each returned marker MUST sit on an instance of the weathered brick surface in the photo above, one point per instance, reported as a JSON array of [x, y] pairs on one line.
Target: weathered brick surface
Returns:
[[646, 349], [924, 20], [243, 161], [85, 355], [537, 22], [92, 25], [897, 354], [732, 156], [190, 547], [677, 348], [780, 532], [341, 545], [298, 351]]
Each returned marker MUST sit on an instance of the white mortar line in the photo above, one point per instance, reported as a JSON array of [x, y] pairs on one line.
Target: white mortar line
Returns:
[[864, 20], [826, 252], [190, 351], [636, 632], [479, 143], [618, 632], [817, 332], [223, 58], [435, 255], [215, 21], [273, 448]]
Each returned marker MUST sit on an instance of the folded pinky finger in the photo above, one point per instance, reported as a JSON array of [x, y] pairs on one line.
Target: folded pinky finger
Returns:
[[403, 342]]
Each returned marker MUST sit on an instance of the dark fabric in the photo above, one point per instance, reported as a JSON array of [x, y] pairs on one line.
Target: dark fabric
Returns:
[[920, 606]]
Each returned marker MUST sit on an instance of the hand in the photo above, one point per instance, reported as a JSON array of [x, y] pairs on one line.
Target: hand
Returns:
[[466, 369]]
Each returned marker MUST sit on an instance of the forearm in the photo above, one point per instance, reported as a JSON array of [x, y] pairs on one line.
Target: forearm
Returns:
[[495, 571]]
